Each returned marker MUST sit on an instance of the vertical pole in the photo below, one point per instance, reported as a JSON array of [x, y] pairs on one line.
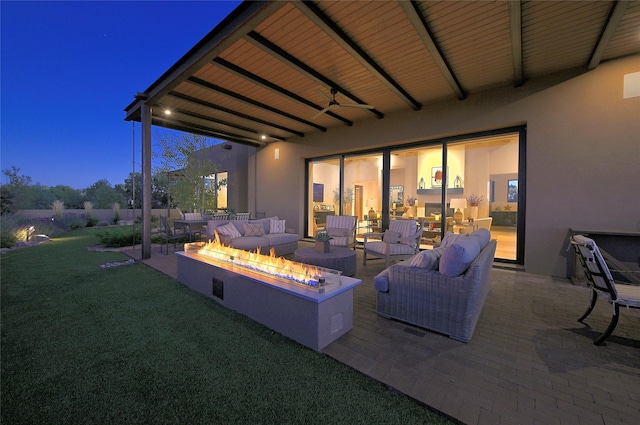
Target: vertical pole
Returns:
[[146, 118]]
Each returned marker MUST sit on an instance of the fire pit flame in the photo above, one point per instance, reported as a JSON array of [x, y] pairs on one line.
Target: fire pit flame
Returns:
[[305, 275]]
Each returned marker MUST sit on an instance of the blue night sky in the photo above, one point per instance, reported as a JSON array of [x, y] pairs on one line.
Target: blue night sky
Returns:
[[70, 68]]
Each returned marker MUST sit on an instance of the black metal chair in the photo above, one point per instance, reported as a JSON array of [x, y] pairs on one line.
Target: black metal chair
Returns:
[[168, 234], [601, 282]]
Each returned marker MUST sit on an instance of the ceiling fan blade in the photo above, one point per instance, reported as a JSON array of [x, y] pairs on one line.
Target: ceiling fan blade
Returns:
[[321, 112], [357, 105]]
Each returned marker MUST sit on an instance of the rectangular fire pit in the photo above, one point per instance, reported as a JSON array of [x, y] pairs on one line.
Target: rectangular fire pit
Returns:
[[313, 316]]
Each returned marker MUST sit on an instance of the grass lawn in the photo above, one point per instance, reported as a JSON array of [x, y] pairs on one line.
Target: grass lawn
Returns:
[[85, 344]]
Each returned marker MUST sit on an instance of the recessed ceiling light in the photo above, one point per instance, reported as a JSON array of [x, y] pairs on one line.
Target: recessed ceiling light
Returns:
[[263, 137], [167, 112]]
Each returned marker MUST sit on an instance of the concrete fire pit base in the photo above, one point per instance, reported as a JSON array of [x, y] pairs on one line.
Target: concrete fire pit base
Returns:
[[308, 317]]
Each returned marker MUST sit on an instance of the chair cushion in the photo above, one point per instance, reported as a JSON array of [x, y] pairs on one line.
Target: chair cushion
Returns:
[[391, 236], [276, 226], [457, 257], [229, 230], [427, 259], [339, 241], [253, 229], [406, 228], [335, 232], [394, 248]]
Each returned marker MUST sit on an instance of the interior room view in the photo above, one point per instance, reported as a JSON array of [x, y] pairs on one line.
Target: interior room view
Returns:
[[481, 179]]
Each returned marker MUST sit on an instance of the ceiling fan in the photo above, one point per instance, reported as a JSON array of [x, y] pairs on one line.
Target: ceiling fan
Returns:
[[333, 103]]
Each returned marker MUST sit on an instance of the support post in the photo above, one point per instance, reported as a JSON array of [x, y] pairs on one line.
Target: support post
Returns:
[[145, 112]]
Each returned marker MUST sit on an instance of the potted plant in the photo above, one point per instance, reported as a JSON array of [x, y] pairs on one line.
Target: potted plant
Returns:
[[473, 201], [322, 241]]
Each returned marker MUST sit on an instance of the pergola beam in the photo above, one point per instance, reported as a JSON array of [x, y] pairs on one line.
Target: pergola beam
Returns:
[[256, 79], [296, 64], [213, 106], [515, 31], [332, 30], [412, 10], [613, 20], [214, 87]]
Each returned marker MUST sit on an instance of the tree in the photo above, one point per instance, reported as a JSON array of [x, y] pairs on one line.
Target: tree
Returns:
[[17, 193], [71, 197], [184, 161], [103, 196]]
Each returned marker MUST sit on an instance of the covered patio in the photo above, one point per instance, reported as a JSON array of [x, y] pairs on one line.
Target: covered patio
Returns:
[[528, 362]]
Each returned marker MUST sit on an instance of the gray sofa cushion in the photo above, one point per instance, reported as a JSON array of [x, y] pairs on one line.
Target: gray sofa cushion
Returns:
[[250, 243], [281, 238]]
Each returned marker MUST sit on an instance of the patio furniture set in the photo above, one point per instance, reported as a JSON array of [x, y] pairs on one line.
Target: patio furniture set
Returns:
[[442, 289]]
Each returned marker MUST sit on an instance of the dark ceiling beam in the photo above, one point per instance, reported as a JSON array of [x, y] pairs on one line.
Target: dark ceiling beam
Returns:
[[515, 32], [295, 63], [613, 20], [243, 73], [232, 28], [213, 106], [204, 131], [412, 10], [214, 87], [332, 30], [220, 122]]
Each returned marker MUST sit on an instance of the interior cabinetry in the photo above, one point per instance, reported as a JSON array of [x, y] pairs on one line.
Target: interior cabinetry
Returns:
[[504, 218]]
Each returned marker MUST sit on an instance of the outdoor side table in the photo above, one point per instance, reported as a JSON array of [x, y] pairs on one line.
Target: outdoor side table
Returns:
[[338, 258]]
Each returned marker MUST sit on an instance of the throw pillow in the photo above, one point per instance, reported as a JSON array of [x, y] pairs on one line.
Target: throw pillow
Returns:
[[276, 226], [332, 231], [427, 259], [450, 238], [483, 236], [457, 257], [253, 229], [229, 230], [391, 236]]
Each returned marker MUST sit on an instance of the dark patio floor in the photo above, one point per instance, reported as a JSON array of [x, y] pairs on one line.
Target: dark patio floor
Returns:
[[529, 361]]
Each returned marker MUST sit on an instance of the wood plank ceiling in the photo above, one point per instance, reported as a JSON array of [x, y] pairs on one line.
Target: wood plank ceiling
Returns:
[[268, 69]]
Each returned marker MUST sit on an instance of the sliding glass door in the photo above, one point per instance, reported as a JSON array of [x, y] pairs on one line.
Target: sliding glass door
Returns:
[[455, 185]]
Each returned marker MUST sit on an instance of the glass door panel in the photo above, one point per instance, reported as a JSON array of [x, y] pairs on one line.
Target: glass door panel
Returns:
[[362, 194], [324, 191], [488, 172]]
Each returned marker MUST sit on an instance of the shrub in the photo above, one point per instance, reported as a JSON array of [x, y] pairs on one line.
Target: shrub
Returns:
[[58, 208], [116, 212], [72, 221], [116, 237], [8, 226], [91, 221], [15, 228]]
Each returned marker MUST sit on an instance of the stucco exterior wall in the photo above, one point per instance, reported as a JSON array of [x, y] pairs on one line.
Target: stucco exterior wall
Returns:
[[582, 150]]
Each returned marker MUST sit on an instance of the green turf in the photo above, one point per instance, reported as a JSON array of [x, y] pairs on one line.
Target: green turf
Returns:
[[85, 344]]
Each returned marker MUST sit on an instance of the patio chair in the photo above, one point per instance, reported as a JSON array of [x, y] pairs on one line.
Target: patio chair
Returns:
[[601, 282], [168, 234], [220, 216], [342, 229], [242, 216], [401, 241]]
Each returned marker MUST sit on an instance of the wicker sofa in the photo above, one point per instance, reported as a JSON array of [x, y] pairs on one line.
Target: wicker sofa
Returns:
[[427, 298], [248, 239]]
